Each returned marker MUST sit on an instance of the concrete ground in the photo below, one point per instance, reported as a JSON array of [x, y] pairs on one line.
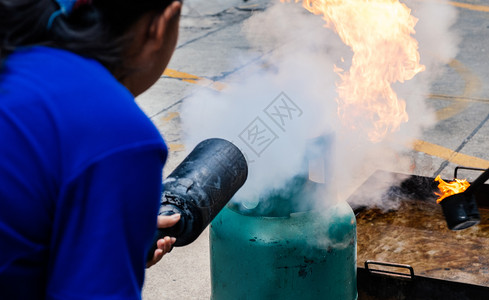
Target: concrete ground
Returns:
[[210, 41]]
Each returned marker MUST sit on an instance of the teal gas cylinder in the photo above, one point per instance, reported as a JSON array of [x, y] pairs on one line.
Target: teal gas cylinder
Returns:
[[283, 250]]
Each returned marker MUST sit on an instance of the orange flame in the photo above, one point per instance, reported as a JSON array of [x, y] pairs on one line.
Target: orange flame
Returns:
[[384, 52], [450, 188]]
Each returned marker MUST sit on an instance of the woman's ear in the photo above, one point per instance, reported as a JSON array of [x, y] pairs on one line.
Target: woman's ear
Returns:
[[163, 27], [154, 39]]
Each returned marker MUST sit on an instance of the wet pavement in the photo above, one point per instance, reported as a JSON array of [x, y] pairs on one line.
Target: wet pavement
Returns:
[[206, 58]]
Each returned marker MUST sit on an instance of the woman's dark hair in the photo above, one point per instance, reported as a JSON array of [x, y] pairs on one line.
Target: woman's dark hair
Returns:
[[97, 30]]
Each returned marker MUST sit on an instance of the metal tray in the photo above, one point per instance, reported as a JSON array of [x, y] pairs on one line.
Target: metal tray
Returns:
[[409, 253]]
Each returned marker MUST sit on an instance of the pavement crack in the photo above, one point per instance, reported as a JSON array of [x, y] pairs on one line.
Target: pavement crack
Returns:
[[168, 107], [227, 24], [462, 145]]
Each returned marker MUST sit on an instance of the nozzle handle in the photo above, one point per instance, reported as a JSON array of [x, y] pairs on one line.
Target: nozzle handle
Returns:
[[478, 181], [174, 231], [200, 187]]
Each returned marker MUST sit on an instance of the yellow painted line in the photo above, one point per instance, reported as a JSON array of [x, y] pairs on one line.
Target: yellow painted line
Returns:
[[472, 85], [458, 98], [190, 79], [454, 109], [170, 116], [176, 147], [219, 86], [450, 155], [194, 79], [468, 6], [181, 75], [472, 82], [249, 6], [167, 118]]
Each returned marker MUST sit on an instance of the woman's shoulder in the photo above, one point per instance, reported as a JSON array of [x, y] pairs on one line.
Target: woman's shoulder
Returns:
[[57, 75], [75, 88], [89, 112]]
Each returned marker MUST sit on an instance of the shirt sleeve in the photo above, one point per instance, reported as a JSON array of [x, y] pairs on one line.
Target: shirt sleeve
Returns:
[[103, 226]]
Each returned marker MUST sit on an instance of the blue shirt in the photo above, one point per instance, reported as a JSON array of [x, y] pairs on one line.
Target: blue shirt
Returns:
[[80, 180]]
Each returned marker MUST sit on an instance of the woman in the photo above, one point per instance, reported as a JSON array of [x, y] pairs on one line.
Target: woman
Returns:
[[80, 164]]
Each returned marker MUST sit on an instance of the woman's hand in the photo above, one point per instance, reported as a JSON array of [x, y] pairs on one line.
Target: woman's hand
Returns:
[[165, 244]]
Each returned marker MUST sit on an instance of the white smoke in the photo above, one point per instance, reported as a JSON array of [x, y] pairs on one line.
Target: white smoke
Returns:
[[299, 76]]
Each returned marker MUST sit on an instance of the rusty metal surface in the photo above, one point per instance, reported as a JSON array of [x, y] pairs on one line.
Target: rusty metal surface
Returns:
[[416, 234]]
